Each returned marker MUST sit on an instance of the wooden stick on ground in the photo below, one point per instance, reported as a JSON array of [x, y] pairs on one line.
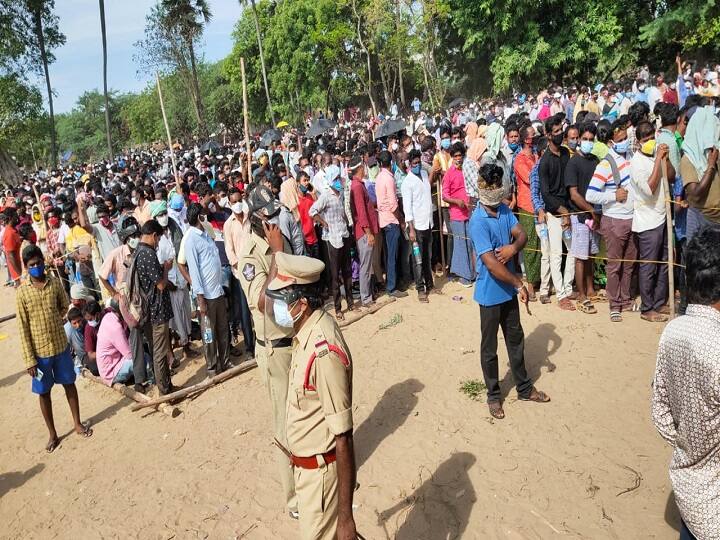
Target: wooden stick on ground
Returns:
[[359, 313], [185, 392], [128, 392], [7, 317]]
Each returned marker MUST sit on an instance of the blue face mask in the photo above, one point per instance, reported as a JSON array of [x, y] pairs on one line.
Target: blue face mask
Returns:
[[513, 146], [337, 185], [445, 144], [282, 314], [303, 188], [586, 147], [622, 147], [416, 170], [37, 271]]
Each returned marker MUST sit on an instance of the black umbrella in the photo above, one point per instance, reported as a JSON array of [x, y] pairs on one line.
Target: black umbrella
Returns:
[[211, 145], [318, 127], [457, 102], [389, 127], [271, 135]]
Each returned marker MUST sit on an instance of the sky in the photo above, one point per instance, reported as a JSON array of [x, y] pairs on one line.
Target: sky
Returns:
[[78, 64]]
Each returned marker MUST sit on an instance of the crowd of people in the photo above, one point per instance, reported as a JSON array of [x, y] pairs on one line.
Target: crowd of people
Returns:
[[155, 250]]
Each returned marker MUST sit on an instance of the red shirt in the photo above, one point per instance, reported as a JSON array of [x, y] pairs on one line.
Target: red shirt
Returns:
[[11, 244], [364, 213], [308, 226]]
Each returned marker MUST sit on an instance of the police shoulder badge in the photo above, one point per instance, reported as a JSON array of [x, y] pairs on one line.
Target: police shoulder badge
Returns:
[[248, 271]]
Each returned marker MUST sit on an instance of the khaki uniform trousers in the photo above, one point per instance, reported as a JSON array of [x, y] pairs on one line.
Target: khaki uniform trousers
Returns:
[[317, 501], [274, 369]]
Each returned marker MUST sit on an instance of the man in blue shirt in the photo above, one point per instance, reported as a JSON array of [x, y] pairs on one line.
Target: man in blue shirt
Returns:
[[498, 237], [206, 273]]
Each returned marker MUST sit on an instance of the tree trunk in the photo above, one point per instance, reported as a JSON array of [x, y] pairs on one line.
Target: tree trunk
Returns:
[[43, 56], [10, 174], [386, 90], [105, 88], [367, 54], [400, 53], [262, 63], [202, 127]]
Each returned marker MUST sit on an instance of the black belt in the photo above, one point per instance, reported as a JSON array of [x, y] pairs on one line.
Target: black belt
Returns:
[[276, 343]]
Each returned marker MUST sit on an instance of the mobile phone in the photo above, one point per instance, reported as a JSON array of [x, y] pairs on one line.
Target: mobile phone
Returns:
[[38, 374]]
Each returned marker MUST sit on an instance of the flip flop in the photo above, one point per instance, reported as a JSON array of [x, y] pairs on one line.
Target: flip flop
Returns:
[[52, 445], [616, 316], [586, 306], [87, 430], [538, 396], [496, 410]]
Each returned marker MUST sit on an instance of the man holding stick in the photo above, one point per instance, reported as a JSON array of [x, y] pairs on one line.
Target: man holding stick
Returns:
[[498, 237]]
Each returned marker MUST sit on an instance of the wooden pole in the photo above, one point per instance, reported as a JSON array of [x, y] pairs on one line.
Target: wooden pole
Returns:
[[185, 392], [8, 317], [440, 223], [670, 243], [167, 127], [128, 392], [245, 121]]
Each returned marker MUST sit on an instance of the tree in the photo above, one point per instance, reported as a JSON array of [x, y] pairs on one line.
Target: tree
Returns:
[[172, 29], [262, 57], [105, 88]]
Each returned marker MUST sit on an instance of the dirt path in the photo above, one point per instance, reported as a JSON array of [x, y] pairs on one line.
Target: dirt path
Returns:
[[432, 464]]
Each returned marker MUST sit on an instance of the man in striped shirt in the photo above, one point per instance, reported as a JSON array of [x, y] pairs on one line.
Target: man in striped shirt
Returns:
[[611, 188]]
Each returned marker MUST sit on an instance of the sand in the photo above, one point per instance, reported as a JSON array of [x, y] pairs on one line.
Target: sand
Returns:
[[432, 463]]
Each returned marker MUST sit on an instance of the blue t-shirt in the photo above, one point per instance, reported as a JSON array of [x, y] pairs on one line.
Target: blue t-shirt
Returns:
[[488, 234]]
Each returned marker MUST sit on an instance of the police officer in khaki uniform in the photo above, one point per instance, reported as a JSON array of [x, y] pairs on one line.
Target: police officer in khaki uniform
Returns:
[[273, 349], [319, 401]]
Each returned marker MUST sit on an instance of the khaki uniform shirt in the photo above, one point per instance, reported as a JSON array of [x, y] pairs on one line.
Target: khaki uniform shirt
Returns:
[[316, 414], [254, 266]]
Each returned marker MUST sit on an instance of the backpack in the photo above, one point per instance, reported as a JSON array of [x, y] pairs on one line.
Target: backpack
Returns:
[[132, 299]]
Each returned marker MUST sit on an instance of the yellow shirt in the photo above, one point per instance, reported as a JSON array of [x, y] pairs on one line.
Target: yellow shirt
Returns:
[[40, 312], [321, 409]]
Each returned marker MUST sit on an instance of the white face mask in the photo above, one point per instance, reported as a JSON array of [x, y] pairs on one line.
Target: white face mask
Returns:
[[212, 207], [394, 147], [133, 243], [163, 220], [93, 323], [223, 202], [134, 200], [237, 207]]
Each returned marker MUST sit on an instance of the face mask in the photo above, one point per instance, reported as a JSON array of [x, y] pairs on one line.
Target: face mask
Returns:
[[93, 323], [134, 200], [237, 207], [513, 146], [445, 144], [53, 222], [282, 314], [133, 243], [303, 189], [223, 202], [621, 147], [416, 170], [212, 207], [557, 139], [337, 185], [394, 147], [163, 220], [37, 271], [648, 147], [586, 147], [641, 87], [203, 218], [572, 145]]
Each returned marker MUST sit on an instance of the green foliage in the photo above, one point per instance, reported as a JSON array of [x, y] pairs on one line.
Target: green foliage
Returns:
[[473, 388]]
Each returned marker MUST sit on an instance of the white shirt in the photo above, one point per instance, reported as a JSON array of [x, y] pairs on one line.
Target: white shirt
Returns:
[[320, 183], [417, 201], [649, 207]]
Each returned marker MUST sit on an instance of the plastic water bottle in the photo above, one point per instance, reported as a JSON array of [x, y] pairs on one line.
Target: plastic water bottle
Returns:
[[543, 232], [207, 330], [417, 255], [567, 235]]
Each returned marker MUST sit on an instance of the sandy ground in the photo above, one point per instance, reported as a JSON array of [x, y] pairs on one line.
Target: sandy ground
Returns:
[[432, 464]]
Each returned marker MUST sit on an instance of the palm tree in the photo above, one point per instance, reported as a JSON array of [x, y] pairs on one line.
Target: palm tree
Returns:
[[262, 58], [105, 90], [190, 18], [37, 7]]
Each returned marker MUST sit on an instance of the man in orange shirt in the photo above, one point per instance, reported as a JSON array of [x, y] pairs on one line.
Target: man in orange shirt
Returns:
[[11, 246]]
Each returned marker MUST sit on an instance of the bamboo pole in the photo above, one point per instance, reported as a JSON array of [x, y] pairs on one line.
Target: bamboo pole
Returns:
[[670, 243], [245, 121], [128, 392], [185, 392], [440, 223], [167, 127]]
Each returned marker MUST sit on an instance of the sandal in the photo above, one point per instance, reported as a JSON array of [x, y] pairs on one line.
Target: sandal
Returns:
[[664, 310], [616, 316], [544, 299], [496, 410], [87, 430], [52, 445], [538, 396], [339, 316], [586, 306], [566, 305], [653, 316]]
